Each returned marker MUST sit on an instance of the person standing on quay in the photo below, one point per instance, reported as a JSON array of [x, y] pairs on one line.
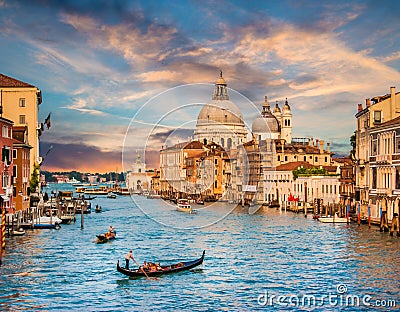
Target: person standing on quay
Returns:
[[128, 256]]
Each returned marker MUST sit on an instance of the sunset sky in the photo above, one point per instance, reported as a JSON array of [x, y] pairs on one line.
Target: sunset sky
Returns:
[[102, 65]]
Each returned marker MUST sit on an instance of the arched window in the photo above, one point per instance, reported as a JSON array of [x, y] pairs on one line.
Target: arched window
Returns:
[[288, 122], [205, 141], [222, 142], [229, 143]]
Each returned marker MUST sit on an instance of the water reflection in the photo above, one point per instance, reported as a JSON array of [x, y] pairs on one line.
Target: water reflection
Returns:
[[283, 253]]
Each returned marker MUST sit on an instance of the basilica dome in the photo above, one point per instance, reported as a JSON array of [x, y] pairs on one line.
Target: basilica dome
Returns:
[[220, 120], [220, 109]]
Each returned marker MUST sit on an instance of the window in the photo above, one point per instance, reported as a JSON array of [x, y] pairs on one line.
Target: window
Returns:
[[216, 161], [286, 158], [279, 158], [377, 116], [316, 159], [216, 184], [22, 119], [15, 170], [288, 122], [5, 132], [326, 159], [216, 172], [21, 102], [14, 154], [5, 155], [305, 158], [5, 180]]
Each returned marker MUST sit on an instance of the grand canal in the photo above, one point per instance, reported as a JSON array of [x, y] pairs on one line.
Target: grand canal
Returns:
[[249, 260]]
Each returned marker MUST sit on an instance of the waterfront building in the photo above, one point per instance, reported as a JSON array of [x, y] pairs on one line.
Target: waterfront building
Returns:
[[137, 180], [220, 120], [6, 166], [173, 182], [155, 186], [21, 160], [347, 180], [274, 146], [321, 188], [377, 155], [20, 103]]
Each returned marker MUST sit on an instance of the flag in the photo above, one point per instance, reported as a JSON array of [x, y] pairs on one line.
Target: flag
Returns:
[[47, 121]]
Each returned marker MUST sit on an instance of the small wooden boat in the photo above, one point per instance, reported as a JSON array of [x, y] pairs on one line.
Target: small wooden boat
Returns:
[[98, 209], [165, 269], [200, 202], [104, 238], [18, 232]]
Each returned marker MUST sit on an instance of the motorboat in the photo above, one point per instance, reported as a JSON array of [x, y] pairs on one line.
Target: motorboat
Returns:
[[333, 219], [183, 206], [111, 195]]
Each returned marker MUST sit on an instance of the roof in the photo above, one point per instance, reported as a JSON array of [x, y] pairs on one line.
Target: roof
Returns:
[[294, 165], [8, 82], [186, 145]]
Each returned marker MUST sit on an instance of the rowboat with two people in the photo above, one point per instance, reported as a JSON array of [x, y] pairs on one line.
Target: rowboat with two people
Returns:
[[107, 236], [161, 269]]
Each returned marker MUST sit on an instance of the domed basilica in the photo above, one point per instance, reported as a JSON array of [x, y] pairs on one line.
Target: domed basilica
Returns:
[[221, 121]]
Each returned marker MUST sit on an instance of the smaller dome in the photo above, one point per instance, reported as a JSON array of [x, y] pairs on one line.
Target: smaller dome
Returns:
[[266, 124], [277, 109]]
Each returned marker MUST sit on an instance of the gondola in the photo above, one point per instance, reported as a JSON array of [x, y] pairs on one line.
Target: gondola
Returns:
[[166, 269]]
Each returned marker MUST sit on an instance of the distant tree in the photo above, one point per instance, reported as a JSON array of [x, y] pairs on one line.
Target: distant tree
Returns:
[[308, 172], [34, 181], [353, 144]]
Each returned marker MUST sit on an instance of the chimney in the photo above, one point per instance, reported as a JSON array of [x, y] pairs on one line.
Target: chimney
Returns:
[[393, 99], [321, 146], [360, 107], [316, 142], [328, 146], [367, 103]]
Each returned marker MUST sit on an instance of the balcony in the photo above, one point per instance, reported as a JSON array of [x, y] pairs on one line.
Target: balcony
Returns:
[[384, 191], [384, 159]]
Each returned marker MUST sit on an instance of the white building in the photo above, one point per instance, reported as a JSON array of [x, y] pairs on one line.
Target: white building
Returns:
[[136, 178]]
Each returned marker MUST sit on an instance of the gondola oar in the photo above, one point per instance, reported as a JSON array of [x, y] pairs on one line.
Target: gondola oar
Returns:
[[141, 268]]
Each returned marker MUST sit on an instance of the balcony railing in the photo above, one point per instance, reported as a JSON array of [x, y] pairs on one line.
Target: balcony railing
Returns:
[[386, 159]]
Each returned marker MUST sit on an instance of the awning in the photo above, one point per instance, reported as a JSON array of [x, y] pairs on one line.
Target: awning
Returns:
[[5, 198]]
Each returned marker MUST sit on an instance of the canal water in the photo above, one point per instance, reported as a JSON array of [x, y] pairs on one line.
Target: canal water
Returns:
[[250, 261]]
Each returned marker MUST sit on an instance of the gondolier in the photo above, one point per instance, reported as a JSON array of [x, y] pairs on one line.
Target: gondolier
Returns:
[[128, 256]]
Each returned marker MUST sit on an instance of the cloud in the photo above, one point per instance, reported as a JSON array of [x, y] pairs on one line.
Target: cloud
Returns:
[[63, 157]]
